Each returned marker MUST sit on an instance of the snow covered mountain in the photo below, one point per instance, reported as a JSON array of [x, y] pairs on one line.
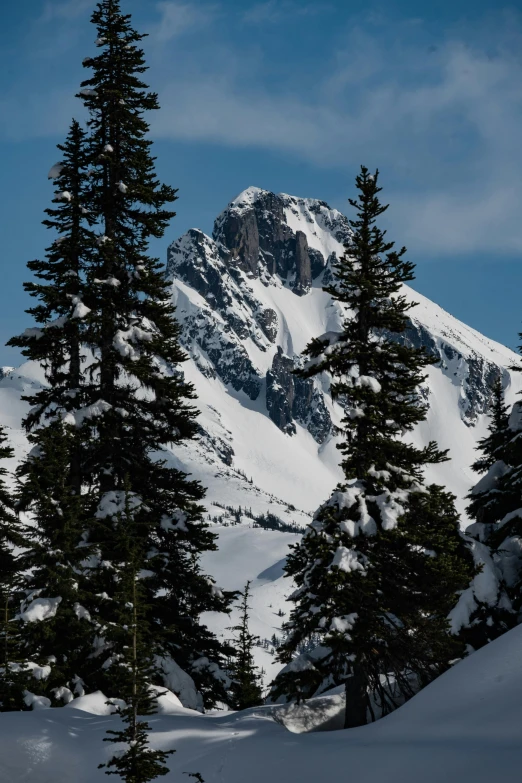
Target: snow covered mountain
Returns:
[[249, 299]]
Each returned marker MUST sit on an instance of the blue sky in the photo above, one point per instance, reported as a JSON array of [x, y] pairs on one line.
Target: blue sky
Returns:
[[293, 96]]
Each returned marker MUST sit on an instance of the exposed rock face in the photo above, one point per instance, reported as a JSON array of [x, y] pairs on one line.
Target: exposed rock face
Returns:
[[475, 376], [256, 228], [280, 392], [303, 265], [290, 399], [234, 329]]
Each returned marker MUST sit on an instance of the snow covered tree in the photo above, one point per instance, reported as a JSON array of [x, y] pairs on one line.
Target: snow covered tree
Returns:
[[379, 568], [493, 601], [55, 634], [142, 402], [11, 683], [57, 342], [56, 629], [246, 680], [132, 667]]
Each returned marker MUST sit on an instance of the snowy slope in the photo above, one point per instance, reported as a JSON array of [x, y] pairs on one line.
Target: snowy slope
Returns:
[[466, 727], [249, 299]]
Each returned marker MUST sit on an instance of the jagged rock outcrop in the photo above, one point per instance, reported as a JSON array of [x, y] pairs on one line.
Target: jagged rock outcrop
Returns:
[[290, 399], [257, 230]]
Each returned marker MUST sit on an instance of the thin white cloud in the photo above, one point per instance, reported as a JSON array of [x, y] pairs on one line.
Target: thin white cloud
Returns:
[[176, 18], [69, 10], [273, 11]]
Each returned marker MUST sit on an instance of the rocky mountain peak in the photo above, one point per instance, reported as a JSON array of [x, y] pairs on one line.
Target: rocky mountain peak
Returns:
[[249, 299], [277, 234]]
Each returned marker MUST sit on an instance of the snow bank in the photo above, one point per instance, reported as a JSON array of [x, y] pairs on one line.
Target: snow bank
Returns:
[[466, 727]]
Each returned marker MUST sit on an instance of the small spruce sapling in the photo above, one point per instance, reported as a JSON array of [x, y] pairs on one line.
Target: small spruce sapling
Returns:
[[246, 681]]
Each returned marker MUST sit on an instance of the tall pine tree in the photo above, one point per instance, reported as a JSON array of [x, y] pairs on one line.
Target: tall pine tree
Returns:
[[108, 341], [141, 403], [380, 566]]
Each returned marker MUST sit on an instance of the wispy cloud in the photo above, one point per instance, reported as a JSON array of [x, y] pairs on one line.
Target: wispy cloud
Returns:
[[69, 10], [273, 11], [176, 18]]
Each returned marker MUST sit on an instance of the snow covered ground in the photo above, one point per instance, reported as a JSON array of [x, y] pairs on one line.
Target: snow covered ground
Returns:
[[466, 727]]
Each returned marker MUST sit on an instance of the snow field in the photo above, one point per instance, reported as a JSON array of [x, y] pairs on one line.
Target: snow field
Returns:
[[466, 727]]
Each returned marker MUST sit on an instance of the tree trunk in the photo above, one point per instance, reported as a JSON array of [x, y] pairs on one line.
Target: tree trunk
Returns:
[[356, 699]]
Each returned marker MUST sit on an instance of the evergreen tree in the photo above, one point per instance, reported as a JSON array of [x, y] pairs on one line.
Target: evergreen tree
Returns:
[[11, 681], [380, 566], [56, 627], [491, 450], [497, 532], [109, 344], [488, 608], [51, 477], [60, 288], [132, 666], [142, 402], [246, 687]]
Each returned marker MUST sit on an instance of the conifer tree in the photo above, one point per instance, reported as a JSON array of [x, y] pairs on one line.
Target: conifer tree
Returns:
[[142, 402], [380, 566], [11, 682], [56, 627], [495, 603], [60, 288], [488, 608], [132, 666], [246, 687], [51, 477], [108, 341]]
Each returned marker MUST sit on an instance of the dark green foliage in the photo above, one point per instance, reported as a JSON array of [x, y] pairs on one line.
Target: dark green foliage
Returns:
[[492, 617], [50, 478], [492, 449], [382, 563], [491, 445], [135, 341], [109, 343], [61, 290], [54, 563], [11, 680], [246, 688], [132, 668]]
